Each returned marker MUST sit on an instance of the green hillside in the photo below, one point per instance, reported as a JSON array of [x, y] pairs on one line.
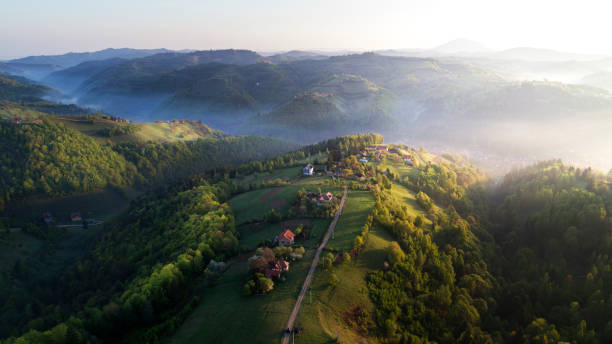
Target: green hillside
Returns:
[[13, 88]]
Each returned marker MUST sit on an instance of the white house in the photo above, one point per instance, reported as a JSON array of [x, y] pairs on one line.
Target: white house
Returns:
[[363, 160], [308, 170]]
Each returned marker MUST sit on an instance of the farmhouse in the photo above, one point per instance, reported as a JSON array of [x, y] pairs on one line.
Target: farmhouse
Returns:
[[281, 265], [408, 159], [382, 148], [325, 198], [47, 217], [76, 216], [286, 238], [308, 170]]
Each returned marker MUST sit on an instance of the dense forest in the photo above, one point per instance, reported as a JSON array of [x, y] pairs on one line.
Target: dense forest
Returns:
[[524, 262], [48, 158], [135, 281]]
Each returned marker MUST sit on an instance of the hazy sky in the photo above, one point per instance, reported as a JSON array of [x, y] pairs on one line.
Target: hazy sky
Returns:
[[29, 27]]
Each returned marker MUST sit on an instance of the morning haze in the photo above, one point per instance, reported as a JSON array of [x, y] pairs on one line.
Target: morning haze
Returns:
[[308, 171]]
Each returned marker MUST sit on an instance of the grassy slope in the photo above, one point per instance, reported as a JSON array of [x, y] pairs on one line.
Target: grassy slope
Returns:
[[356, 210], [251, 237], [225, 316], [322, 319], [260, 319], [250, 206], [158, 131]]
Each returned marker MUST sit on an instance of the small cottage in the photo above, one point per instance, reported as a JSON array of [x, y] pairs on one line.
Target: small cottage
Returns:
[[308, 170], [76, 216], [286, 238]]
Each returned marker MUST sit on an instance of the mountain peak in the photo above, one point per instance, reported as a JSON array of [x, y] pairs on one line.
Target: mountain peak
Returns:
[[461, 46]]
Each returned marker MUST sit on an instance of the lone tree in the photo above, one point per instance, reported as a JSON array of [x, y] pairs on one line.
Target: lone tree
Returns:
[[333, 280], [328, 260]]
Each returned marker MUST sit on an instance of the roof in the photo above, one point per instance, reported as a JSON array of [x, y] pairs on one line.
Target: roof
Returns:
[[326, 196], [381, 148], [281, 265], [287, 234]]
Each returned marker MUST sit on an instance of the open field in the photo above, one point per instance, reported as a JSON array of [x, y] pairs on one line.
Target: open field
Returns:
[[251, 234], [226, 316], [325, 319], [288, 174], [358, 206], [253, 205], [157, 131]]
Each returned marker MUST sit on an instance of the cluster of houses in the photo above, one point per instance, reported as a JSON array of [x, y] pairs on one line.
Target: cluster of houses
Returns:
[[378, 148], [74, 217], [19, 120], [285, 238], [117, 119]]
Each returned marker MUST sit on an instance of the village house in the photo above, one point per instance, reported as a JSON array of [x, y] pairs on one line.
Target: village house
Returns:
[[281, 265], [325, 198], [408, 159], [382, 148], [363, 160], [76, 216], [47, 217], [16, 120], [277, 268], [286, 238], [309, 170]]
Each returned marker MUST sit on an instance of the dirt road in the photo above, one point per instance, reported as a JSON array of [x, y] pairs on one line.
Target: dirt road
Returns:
[[313, 267]]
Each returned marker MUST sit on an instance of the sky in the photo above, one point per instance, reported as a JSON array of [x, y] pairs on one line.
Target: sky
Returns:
[[35, 27]]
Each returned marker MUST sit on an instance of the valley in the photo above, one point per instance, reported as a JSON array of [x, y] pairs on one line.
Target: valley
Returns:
[[232, 196]]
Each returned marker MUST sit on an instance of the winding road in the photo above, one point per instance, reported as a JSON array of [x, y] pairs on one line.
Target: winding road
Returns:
[[313, 267]]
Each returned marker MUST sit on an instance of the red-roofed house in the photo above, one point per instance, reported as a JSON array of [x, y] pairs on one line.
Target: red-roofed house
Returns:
[[324, 198], [382, 148], [286, 238], [76, 216], [281, 265]]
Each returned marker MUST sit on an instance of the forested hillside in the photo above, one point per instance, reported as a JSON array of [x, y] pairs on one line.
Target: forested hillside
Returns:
[[552, 228], [136, 282], [52, 159]]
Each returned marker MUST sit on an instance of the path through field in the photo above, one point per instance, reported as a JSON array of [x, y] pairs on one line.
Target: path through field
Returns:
[[313, 267]]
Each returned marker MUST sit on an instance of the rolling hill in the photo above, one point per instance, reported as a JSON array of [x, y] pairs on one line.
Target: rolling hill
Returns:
[[73, 59]]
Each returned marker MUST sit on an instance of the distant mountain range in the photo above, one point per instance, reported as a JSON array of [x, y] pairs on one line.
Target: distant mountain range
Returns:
[[73, 59], [464, 96]]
